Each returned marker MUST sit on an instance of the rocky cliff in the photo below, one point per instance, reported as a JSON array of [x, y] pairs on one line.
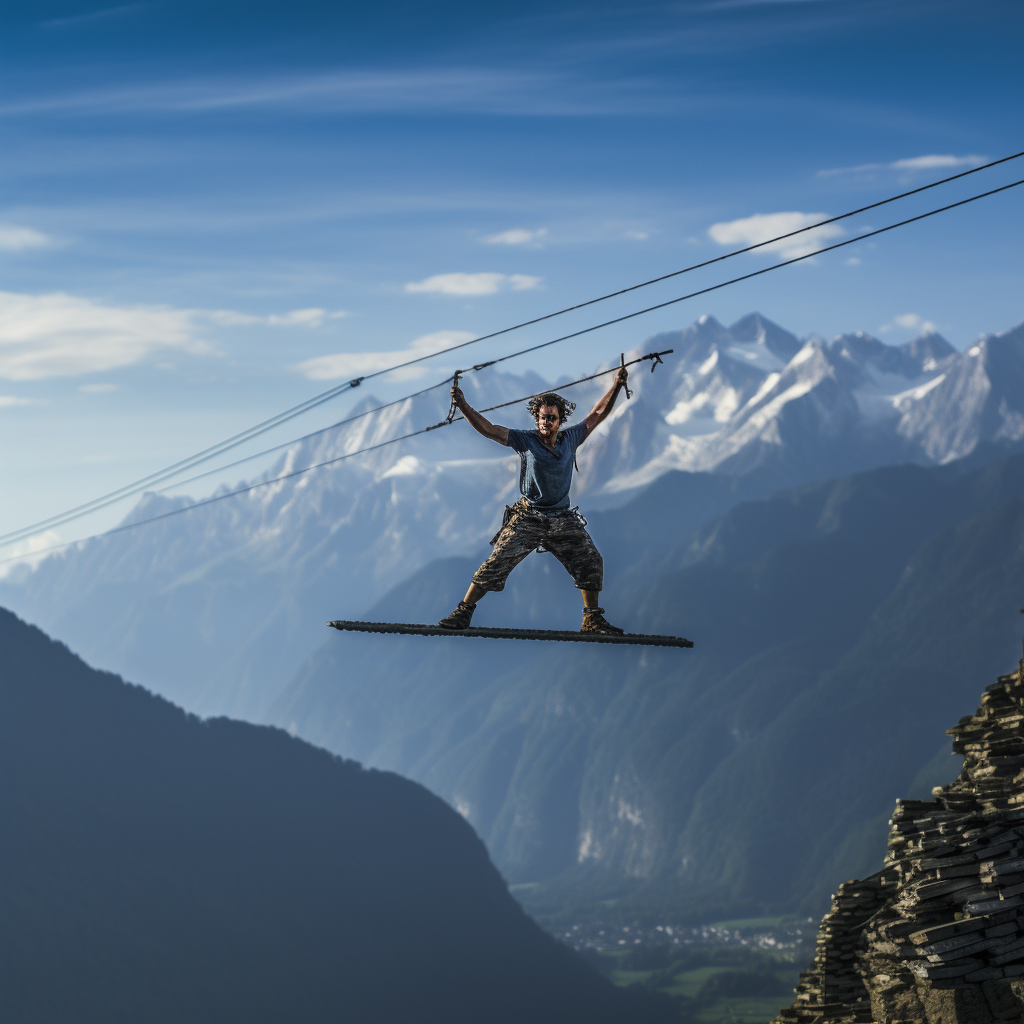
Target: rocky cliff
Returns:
[[937, 935]]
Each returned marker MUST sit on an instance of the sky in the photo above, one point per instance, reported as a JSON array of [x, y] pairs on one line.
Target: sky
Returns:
[[210, 212]]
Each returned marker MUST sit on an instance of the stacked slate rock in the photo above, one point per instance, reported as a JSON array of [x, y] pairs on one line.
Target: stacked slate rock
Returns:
[[937, 936]]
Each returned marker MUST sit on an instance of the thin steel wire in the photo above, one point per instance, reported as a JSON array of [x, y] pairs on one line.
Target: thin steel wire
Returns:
[[628, 316], [213, 451]]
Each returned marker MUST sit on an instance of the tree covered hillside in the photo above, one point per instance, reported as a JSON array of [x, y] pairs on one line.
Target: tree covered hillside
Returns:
[[158, 867]]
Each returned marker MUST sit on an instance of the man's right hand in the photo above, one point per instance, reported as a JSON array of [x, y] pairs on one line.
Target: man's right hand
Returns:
[[457, 396]]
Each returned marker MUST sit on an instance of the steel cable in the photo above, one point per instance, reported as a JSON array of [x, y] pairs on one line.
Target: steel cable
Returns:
[[534, 348], [260, 428], [320, 465]]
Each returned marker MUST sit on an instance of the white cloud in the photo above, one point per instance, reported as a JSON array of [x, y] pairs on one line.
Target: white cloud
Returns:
[[638, 236], [859, 169], [312, 317], [354, 364], [924, 163], [473, 284], [762, 226], [59, 335], [853, 261], [910, 322], [7, 401], [97, 389], [518, 236], [914, 163], [523, 282], [15, 239]]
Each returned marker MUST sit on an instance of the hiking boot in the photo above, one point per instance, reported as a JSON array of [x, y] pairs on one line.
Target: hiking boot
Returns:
[[460, 618], [595, 622]]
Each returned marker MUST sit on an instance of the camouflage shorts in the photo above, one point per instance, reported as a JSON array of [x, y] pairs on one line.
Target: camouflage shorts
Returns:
[[525, 530]]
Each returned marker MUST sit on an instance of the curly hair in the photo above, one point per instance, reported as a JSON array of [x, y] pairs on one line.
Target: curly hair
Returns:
[[565, 408]]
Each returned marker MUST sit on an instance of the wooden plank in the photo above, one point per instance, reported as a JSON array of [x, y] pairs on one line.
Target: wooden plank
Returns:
[[497, 633]]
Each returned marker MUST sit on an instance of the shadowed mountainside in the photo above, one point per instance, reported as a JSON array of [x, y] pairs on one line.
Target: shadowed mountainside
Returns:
[[162, 868]]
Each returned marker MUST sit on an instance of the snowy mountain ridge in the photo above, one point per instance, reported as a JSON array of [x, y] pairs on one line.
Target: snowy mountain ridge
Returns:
[[753, 398], [736, 400], [729, 400]]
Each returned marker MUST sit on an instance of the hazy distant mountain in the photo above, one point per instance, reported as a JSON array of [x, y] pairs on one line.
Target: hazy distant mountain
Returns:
[[217, 608], [161, 868], [838, 627]]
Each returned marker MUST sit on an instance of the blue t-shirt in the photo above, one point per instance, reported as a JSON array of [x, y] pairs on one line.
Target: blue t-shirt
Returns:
[[546, 473]]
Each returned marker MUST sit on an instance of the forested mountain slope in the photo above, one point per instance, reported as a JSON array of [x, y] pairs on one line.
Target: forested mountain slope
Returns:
[[157, 867]]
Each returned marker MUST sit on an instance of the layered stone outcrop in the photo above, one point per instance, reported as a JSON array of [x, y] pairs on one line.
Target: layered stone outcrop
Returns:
[[937, 935]]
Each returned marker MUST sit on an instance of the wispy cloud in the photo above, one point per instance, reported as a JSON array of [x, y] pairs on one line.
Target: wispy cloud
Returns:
[[762, 226], [910, 322], [9, 401], [15, 239], [933, 161], [105, 14], [473, 284], [450, 90], [518, 236], [96, 389], [312, 317], [60, 335], [352, 364]]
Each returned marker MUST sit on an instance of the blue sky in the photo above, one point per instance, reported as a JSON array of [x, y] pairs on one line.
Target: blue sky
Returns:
[[212, 211]]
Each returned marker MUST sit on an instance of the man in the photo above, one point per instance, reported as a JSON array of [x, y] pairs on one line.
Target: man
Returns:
[[542, 519]]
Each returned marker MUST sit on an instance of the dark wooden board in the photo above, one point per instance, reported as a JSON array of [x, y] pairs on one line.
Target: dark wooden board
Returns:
[[496, 633]]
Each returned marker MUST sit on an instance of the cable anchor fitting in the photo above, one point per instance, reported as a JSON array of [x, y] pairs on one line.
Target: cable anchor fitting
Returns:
[[622, 360], [656, 359], [453, 408]]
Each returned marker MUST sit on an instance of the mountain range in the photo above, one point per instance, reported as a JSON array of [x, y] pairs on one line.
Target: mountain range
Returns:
[[778, 501], [216, 608]]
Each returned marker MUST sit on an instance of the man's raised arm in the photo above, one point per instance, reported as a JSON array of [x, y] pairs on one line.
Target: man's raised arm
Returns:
[[479, 423], [604, 405]]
